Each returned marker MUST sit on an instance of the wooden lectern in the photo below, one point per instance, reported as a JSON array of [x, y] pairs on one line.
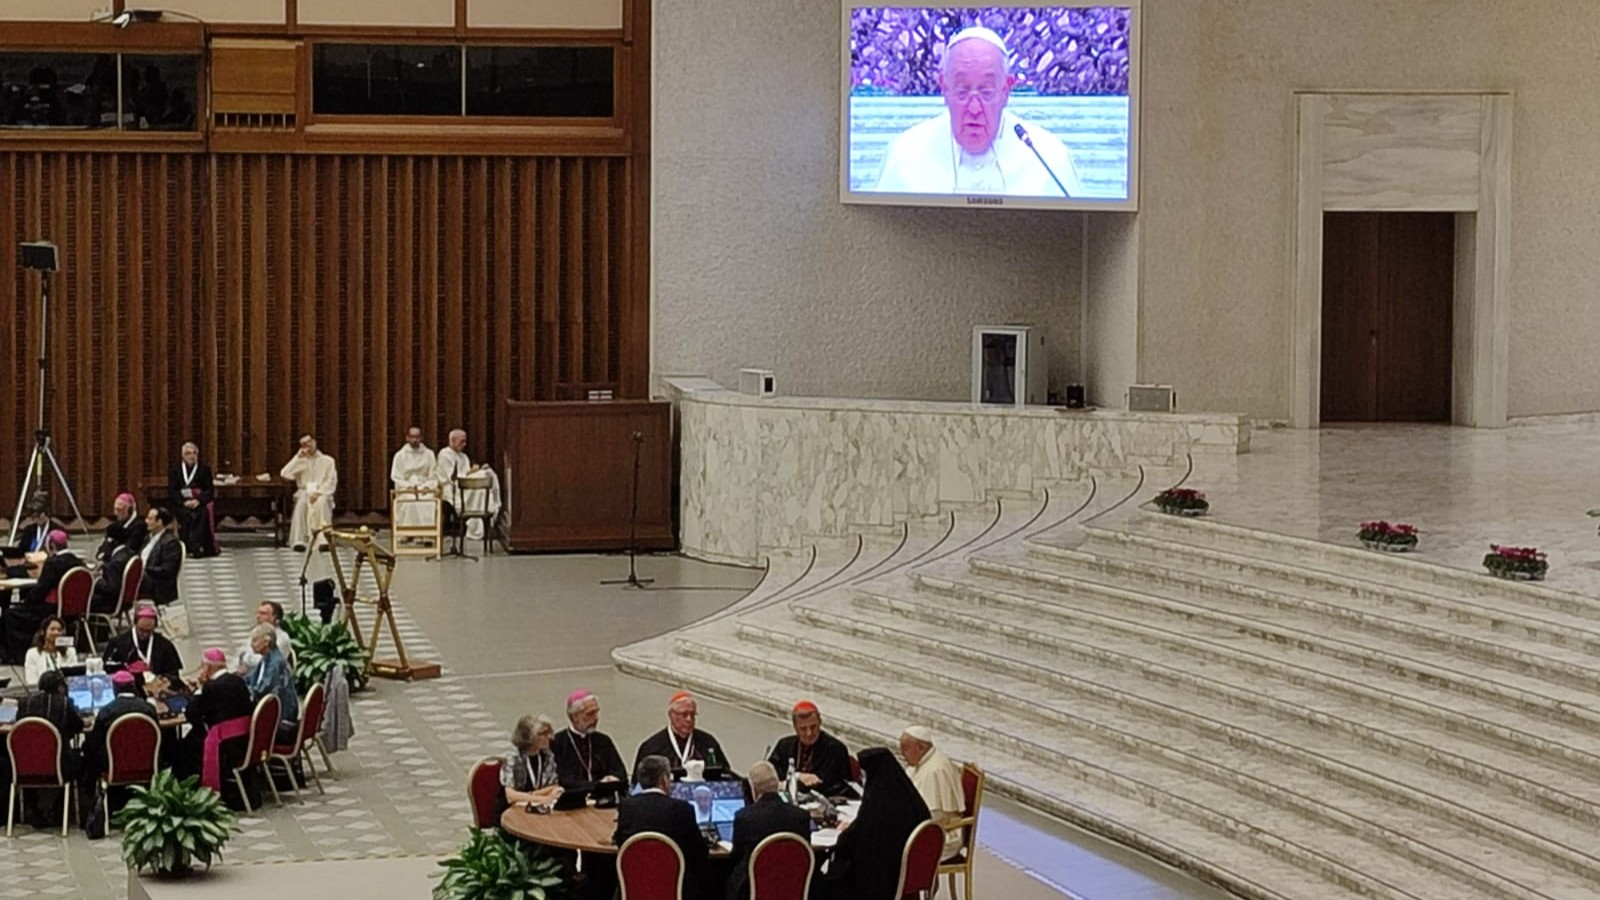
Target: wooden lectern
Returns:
[[569, 473]]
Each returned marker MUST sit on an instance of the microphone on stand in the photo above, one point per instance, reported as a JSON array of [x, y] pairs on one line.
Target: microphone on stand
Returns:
[[1023, 134]]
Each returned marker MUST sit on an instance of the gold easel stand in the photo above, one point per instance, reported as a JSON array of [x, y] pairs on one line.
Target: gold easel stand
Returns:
[[368, 555]]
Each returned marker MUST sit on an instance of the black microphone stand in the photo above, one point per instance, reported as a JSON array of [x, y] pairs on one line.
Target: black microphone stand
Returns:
[[633, 580]]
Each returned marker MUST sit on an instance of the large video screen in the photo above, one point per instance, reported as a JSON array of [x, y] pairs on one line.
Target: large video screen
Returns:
[[1013, 106]]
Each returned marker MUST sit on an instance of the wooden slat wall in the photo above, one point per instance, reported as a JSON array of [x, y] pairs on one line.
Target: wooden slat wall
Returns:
[[240, 300]]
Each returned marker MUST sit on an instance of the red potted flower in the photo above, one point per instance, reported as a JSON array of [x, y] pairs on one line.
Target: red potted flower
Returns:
[[1182, 502], [1380, 535], [1517, 563]]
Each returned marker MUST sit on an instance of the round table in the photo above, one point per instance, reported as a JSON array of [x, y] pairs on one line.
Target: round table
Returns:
[[587, 829]]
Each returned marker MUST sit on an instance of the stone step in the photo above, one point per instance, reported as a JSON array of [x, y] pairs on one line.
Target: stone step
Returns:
[[1180, 782], [1244, 867], [931, 623], [1021, 610], [1549, 652], [1309, 636], [979, 667], [1398, 570]]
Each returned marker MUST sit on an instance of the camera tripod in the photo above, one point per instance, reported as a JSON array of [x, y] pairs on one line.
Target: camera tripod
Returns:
[[34, 478]]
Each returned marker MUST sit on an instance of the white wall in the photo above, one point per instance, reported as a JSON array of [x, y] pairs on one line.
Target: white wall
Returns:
[[757, 263]]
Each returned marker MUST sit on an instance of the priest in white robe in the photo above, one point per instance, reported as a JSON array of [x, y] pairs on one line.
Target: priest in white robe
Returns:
[[315, 477], [938, 780], [976, 147], [414, 466], [480, 494]]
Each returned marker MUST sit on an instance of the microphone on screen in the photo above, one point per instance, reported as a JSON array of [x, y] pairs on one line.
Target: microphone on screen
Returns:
[[1023, 134]]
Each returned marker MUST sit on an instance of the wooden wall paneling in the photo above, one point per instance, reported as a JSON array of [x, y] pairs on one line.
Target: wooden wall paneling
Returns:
[[527, 279], [403, 307], [320, 418], [503, 305], [185, 347], [573, 233], [164, 443], [549, 327], [123, 457], [232, 365], [93, 479], [353, 392], [11, 355], [305, 359], [253, 349], [476, 361], [286, 272], [384, 422], [209, 392], [78, 423], [451, 352], [598, 354], [430, 224]]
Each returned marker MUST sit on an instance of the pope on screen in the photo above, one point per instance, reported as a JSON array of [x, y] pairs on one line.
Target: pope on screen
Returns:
[[975, 146]]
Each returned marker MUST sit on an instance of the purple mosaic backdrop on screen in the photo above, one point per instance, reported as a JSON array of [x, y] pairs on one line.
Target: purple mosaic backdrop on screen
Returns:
[[1078, 51]]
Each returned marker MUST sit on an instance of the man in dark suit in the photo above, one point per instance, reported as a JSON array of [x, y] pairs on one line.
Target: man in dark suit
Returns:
[[656, 810], [766, 816], [193, 494], [23, 619], [96, 761], [163, 557]]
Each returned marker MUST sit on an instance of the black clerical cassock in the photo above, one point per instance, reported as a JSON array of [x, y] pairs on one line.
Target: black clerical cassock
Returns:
[[152, 649], [584, 761], [196, 525], [827, 758], [699, 745]]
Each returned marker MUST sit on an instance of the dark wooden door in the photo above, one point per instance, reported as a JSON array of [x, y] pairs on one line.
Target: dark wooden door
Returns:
[[1388, 283]]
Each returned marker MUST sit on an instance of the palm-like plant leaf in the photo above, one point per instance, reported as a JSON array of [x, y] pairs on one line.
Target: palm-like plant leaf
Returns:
[[173, 824], [490, 867]]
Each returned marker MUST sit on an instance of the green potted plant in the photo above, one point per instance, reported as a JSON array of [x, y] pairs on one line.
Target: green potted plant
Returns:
[[1380, 535], [1516, 563], [171, 825], [490, 867], [1182, 502], [318, 647]]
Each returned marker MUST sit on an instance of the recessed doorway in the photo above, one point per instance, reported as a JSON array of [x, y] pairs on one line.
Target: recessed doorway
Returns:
[[1388, 291]]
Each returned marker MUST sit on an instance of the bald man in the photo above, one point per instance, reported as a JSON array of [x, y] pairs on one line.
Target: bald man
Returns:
[[453, 466], [974, 146], [413, 467], [681, 741]]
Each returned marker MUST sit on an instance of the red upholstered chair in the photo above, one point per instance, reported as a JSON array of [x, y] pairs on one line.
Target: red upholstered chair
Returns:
[[34, 746], [311, 707], [483, 784], [650, 867], [72, 600], [972, 779], [919, 865], [133, 754], [127, 594], [263, 731], [780, 868]]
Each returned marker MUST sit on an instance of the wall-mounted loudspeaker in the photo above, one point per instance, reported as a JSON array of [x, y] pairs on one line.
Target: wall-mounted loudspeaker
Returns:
[[1152, 398], [758, 382]]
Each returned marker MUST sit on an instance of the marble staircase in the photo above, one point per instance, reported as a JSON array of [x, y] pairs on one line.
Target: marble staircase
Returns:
[[1282, 717]]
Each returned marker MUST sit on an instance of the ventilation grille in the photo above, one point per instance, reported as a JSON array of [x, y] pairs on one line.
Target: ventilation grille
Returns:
[[255, 122]]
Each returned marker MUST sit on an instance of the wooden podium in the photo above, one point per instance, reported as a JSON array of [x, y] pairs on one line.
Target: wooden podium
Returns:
[[569, 474]]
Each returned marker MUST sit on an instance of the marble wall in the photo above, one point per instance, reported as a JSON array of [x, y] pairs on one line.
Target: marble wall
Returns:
[[762, 473]]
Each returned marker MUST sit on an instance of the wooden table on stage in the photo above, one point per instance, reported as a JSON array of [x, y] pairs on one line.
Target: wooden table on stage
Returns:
[[271, 501], [17, 584], [586, 829]]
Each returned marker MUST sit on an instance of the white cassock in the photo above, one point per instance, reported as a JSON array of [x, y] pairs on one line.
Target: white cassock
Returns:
[[311, 475], [414, 467], [925, 159], [454, 465]]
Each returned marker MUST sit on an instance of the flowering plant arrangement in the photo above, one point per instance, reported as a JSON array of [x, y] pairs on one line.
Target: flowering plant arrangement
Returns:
[[1182, 501], [1516, 562], [1391, 536]]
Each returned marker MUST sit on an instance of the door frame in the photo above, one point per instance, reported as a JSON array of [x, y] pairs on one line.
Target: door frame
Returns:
[[1388, 151]]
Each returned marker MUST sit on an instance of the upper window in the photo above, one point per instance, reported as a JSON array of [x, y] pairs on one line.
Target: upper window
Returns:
[[158, 92], [58, 90], [540, 81], [386, 80], [401, 80]]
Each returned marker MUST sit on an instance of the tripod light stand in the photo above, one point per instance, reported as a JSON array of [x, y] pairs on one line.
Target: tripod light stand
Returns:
[[42, 257]]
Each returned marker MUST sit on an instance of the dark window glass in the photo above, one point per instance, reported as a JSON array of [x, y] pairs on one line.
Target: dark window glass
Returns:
[[158, 92], [58, 90], [386, 80], [539, 81]]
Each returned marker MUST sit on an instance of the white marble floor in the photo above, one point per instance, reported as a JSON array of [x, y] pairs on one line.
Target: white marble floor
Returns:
[[1464, 488]]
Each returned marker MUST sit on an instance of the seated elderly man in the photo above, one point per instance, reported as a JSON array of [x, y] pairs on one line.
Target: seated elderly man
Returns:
[[584, 755], [268, 612], [127, 528], [680, 741], [654, 809], [765, 816], [822, 760], [454, 467], [938, 780], [144, 645]]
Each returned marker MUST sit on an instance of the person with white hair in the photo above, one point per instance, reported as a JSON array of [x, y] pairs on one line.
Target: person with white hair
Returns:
[[938, 780], [482, 495], [766, 815], [528, 772], [414, 466], [316, 477], [584, 756], [976, 146], [681, 741], [193, 491]]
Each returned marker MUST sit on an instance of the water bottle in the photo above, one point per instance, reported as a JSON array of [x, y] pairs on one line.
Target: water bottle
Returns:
[[711, 758], [794, 781]]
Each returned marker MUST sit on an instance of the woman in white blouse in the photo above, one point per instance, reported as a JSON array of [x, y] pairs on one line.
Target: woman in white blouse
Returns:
[[43, 656]]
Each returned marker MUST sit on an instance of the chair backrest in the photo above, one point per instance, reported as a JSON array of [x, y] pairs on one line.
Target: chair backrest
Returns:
[[312, 706], [263, 729], [483, 784], [133, 750], [72, 595], [919, 865], [34, 746], [132, 574], [855, 769], [780, 868], [650, 867]]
